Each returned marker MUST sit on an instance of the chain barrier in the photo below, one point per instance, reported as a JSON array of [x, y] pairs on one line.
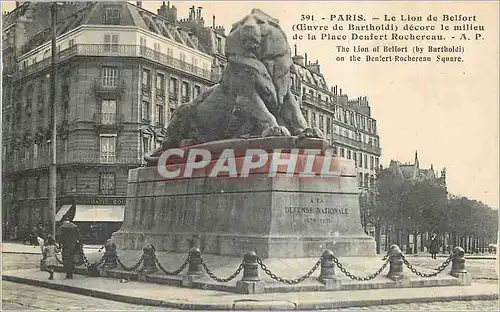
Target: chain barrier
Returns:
[[363, 278], [84, 258], [176, 272], [421, 274], [288, 281], [220, 279], [130, 268]]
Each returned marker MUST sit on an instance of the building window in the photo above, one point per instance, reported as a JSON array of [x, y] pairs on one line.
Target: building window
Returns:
[[305, 113], [197, 91], [313, 119], [145, 144], [160, 83], [62, 182], [349, 155], [173, 89], [321, 122], [328, 126], [112, 15], [360, 179], [219, 45], [109, 76], [107, 183], [372, 161], [146, 79], [37, 186], [377, 163], [160, 115], [111, 43], [342, 152], [145, 111], [366, 161], [185, 91], [108, 112], [108, 149]]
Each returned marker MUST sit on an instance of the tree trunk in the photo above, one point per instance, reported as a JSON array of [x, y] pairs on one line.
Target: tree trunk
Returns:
[[387, 238], [377, 238], [422, 242], [415, 243]]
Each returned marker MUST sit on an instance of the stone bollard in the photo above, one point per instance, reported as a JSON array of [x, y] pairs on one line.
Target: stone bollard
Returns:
[[148, 262], [327, 275], [195, 268], [110, 257], [395, 263], [458, 269], [250, 282]]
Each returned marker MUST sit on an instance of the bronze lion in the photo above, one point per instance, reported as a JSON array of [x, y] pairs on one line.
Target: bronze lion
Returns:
[[254, 96]]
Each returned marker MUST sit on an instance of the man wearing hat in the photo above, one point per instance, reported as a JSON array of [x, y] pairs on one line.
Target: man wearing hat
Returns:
[[68, 239]]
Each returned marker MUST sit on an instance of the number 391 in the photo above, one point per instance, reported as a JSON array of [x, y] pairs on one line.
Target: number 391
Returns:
[[306, 17]]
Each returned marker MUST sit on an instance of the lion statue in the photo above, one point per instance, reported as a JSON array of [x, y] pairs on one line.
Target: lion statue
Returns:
[[253, 98]]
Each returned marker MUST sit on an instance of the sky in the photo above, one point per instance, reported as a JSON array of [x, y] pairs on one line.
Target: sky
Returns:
[[446, 112]]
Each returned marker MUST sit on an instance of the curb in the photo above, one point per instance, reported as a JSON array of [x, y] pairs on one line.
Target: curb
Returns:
[[21, 252], [117, 297], [245, 304]]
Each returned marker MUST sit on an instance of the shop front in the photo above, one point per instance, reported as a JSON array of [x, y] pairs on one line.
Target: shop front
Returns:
[[96, 219]]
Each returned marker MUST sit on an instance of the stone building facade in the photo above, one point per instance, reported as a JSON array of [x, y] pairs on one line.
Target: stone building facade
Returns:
[[346, 123], [121, 72], [412, 172]]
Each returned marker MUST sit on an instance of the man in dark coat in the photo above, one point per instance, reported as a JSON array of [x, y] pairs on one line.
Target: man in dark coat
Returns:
[[433, 247], [69, 241]]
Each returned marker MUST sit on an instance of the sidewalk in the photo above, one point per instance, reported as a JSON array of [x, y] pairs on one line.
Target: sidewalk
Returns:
[[197, 299], [480, 256], [18, 248]]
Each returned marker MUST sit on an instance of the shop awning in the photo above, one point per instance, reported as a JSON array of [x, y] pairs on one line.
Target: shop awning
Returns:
[[64, 209], [95, 213]]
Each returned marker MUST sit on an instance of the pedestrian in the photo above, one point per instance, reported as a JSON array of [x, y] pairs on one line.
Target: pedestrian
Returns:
[[433, 247], [69, 241], [40, 235], [49, 256]]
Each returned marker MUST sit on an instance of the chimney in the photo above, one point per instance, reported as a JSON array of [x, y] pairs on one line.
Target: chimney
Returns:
[[314, 67], [305, 59], [298, 59], [199, 13], [295, 49], [139, 4], [213, 21]]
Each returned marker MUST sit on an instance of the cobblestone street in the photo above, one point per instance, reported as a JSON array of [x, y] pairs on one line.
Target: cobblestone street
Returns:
[[491, 305], [25, 297]]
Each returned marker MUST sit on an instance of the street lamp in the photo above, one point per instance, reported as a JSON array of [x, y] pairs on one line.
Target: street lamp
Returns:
[[53, 165]]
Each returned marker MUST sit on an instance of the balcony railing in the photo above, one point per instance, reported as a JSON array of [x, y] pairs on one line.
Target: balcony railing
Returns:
[[358, 144], [108, 119], [109, 84], [118, 50], [74, 157]]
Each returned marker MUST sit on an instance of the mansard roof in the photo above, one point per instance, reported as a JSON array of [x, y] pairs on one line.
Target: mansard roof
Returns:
[[74, 14]]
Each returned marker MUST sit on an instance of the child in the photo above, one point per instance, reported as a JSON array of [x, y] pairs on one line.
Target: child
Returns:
[[49, 256]]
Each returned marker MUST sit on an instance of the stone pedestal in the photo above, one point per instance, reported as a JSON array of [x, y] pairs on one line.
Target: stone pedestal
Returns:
[[279, 216]]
